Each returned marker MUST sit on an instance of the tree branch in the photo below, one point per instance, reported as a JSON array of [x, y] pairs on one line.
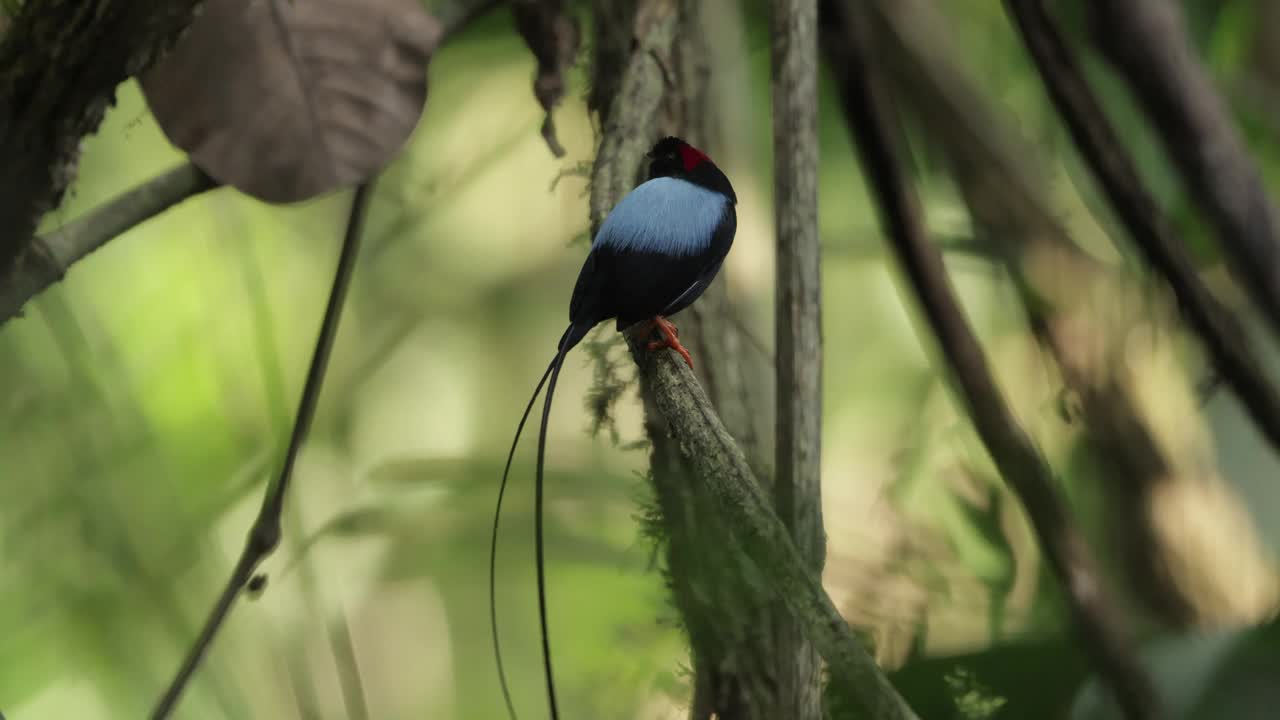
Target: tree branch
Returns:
[[653, 71], [721, 470], [1015, 454], [264, 535], [1146, 40], [797, 489], [1221, 335], [928, 68], [60, 64], [51, 255], [629, 117], [704, 485], [738, 383], [29, 266], [1000, 181]]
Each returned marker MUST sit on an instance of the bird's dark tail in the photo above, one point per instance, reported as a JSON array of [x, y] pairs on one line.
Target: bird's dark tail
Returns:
[[572, 336], [493, 543]]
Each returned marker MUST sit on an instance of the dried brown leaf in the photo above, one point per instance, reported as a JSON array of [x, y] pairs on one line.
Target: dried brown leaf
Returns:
[[289, 100]]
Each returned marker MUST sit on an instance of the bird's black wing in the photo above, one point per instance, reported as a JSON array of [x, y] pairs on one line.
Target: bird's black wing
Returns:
[[633, 285], [646, 284], [661, 284]]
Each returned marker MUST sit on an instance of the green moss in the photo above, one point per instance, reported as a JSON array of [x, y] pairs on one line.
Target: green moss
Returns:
[[610, 380]]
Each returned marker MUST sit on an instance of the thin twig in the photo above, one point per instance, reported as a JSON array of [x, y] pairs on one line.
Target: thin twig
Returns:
[[264, 535], [1013, 451], [721, 470], [797, 489], [1222, 336], [50, 256], [1146, 40]]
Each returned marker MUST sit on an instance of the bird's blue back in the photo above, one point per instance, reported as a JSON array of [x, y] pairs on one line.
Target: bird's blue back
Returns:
[[665, 215]]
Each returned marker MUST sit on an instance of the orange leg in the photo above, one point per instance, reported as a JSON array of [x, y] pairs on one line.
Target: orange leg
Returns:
[[670, 339]]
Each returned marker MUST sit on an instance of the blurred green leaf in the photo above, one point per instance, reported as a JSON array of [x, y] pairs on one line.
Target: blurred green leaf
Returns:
[[1207, 675]]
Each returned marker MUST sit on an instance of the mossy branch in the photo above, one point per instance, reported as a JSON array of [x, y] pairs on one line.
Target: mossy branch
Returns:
[[719, 467], [698, 468]]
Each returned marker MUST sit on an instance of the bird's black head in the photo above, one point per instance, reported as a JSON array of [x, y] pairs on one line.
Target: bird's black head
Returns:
[[673, 157]]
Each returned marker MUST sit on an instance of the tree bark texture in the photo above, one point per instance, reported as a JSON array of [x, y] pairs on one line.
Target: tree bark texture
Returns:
[[735, 376], [717, 468], [60, 63], [798, 326], [652, 77]]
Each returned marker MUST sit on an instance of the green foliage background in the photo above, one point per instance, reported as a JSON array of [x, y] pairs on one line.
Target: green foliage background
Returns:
[[146, 399]]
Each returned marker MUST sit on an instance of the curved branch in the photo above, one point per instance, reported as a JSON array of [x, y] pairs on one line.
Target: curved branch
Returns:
[[1222, 336], [998, 175], [1146, 40], [871, 118]]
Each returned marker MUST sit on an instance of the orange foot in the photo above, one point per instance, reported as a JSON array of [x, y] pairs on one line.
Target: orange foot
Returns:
[[670, 339]]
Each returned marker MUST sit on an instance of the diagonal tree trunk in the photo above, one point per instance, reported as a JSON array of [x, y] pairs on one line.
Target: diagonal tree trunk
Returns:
[[652, 76]]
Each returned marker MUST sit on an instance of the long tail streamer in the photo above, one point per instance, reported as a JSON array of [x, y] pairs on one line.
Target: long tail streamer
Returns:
[[570, 338], [537, 530]]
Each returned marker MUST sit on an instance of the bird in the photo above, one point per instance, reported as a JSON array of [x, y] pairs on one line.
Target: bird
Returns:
[[655, 253]]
